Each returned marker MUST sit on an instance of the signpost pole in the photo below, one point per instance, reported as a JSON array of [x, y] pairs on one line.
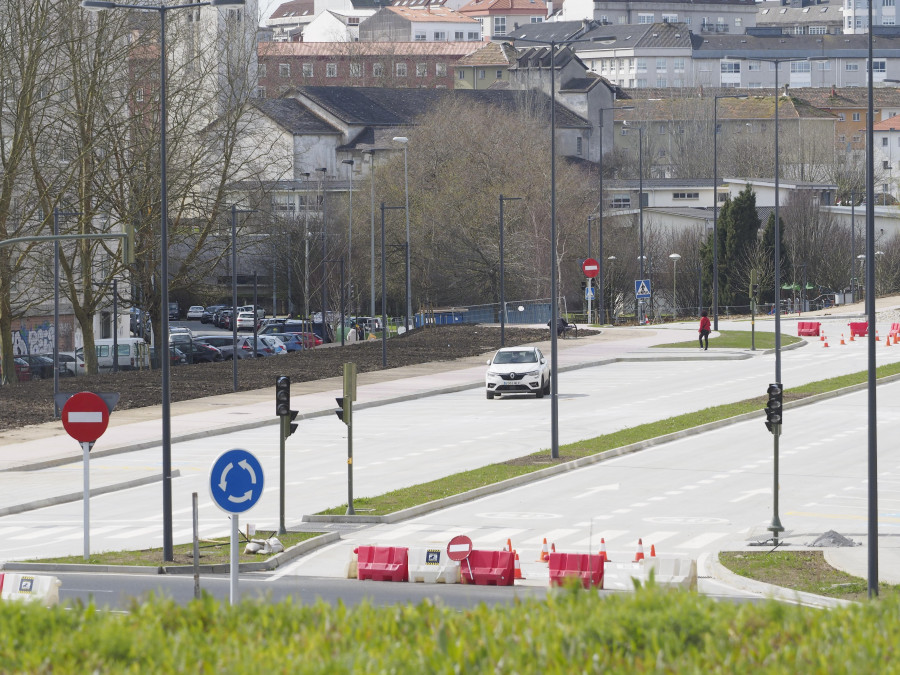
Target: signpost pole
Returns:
[[235, 561], [86, 451]]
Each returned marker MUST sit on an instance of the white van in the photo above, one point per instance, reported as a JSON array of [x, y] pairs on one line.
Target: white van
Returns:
[[134, 354]]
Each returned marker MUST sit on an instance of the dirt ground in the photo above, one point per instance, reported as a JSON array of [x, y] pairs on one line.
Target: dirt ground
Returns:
[[27, 403]]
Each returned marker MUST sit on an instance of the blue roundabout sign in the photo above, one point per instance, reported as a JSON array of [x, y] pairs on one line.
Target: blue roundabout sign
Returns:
[[236, 481]]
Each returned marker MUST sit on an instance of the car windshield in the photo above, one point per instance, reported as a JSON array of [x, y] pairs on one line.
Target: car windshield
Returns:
[[525, 356]]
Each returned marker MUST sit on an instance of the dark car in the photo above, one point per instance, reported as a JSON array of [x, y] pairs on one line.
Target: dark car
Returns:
[[23, 370], [223, 344], [223, 318], [209, 313], [301, 327], [177, 356], [41, 366], [293, 342], [202, 352]]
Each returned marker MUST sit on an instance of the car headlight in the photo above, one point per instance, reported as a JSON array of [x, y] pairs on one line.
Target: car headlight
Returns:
[[532, 373], [491, 373]]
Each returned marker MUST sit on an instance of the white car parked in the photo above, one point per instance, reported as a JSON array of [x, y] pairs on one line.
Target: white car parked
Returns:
[[518, 370], [246, 321], [195, 312]]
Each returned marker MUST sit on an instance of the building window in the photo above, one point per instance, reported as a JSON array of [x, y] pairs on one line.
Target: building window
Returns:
[[685, 195], [641, 64], [670, 18], [352, 20], [261, 71], [139, 95], [481, 74], [440, 69], [661, 129], [800, 66], [678, 64], [420, 36], [499, 75], [851, 67], [731, 66], [284, 70], [578, 142], [824, 65], [355, 70], [458, 36], [621, 202], [307, 70], [884, 142], [842, 117], [738, 22], [440, 36], [378, 69], [645, 18], [642, 83], [474, 36], [887, 3], [661, 65], [661, 82], [401, 70], [879, 66], [752, 66], [260, 92], [537, 19], [330, 70], [885, 164], [460, 74], [421, 69], [856, 117], [499, 25], [817, 30], [842, 138]]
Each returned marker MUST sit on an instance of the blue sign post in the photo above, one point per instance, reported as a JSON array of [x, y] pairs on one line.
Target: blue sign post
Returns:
[[642, 288], [235, 485]]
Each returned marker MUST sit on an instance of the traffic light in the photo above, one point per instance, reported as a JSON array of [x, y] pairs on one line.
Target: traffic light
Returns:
[[774, 405], [289, 425], [345, 414], [283, 396]]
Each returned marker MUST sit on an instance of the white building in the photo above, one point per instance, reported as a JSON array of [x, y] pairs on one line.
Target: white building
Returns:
[[336, 25]]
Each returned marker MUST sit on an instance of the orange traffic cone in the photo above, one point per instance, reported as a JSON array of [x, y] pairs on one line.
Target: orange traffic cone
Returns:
[[545, 554], [553, 547], [508, 545], [603, 557], [887, 342], [652, 551], [852, 339], [826, 343], [877, 339], [842, 339], [640, 552], [822, 337], [517, 574]]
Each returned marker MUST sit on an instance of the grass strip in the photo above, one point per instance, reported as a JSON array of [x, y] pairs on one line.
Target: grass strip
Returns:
[[447, 486], [212, 552], [735, 339], [804, 571]]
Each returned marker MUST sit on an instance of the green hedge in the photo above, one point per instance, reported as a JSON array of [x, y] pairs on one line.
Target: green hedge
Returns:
[[651, 631]]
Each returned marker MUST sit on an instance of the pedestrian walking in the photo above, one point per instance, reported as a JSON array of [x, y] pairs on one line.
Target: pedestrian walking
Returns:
[[704, 330]]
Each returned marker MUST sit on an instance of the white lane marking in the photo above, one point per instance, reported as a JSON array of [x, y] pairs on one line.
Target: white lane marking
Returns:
[[656, 537], [397, 532], [94, 532], [131, 534], [39, 532], [552, 536], [702, 540], [607, 535], [497, 536]]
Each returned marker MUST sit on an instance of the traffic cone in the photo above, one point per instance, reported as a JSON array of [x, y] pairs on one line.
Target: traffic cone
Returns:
[[852, 339], [545, 555], [640, 552], [652, 551], [553, 547], [822, 337], [826, 343], [517, 574], [877, 339], [603, 557], [887, 341], [842, 339], [508, 546]]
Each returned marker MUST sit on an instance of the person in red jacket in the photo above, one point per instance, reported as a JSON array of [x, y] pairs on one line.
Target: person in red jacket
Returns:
[[704, 330]]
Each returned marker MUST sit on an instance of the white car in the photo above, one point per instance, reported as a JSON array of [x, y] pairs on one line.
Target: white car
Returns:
[[195, 312], [518, 370], [246, 320]]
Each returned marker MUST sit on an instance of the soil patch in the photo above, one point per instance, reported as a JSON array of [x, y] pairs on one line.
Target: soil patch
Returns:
[[32, 402]]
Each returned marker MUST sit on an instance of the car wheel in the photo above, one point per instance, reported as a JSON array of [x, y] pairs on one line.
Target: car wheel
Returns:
[[490, 395], [547, 387], [540, 392]]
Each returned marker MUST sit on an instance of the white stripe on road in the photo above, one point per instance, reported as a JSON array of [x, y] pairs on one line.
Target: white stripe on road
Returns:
[[702, 540], [552, 536], [39, 532], [131, 534]]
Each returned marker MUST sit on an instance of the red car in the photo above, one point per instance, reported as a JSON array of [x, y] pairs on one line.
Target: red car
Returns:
[[23, 370]]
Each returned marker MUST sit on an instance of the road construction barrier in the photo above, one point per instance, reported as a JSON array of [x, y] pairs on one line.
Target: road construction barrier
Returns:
[[488, 568], [859, 328], [588, 568], [808, 328], [432, 566], [30, 588], [675, 571], [621, 576], [382, 563]]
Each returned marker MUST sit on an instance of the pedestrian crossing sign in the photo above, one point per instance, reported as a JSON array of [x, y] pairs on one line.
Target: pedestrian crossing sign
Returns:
[[642, 288], [432, 557]]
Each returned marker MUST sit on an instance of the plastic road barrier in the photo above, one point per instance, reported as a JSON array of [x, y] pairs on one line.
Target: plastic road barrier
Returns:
[[859, 328], [675, 571], [383, 563], [808, 328], [588, 568], [489, 568], [30, 588], [432, 566]]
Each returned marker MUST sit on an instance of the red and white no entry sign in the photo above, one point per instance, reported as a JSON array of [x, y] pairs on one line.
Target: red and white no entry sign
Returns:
[[85, 417], [459, 547], [590, 267]]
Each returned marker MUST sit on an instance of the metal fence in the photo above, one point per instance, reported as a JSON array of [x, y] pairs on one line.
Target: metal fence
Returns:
[[517, 312]]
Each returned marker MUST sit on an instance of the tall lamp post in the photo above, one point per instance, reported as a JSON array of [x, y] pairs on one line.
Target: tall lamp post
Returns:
[[234, 351], [502, 278], [674, 257], [405, 141], [324, 256], [372, 236], [716, 204], [96, 6], [384, 326], [554, 299], [349, 162]]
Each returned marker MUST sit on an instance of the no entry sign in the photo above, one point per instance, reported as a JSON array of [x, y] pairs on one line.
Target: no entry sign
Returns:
[[459, 548], [85, 417], [590, 267]]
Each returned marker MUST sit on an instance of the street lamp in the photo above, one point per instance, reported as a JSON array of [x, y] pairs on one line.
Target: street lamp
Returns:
[[405, 141], [674, 257], [716, 203], [612, 288], [96, 6], [554, 299], [324, 227], [234, 351], [372, 236], [502, 278], [384, 326], [349, 162]]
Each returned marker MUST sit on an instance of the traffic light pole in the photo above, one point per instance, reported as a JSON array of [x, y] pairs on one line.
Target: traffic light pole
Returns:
[[345, 414], [284, 422], [286, 427], [776, 527]]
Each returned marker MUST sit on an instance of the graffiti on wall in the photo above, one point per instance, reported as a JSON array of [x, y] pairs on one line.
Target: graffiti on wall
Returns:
[[35, 335]]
